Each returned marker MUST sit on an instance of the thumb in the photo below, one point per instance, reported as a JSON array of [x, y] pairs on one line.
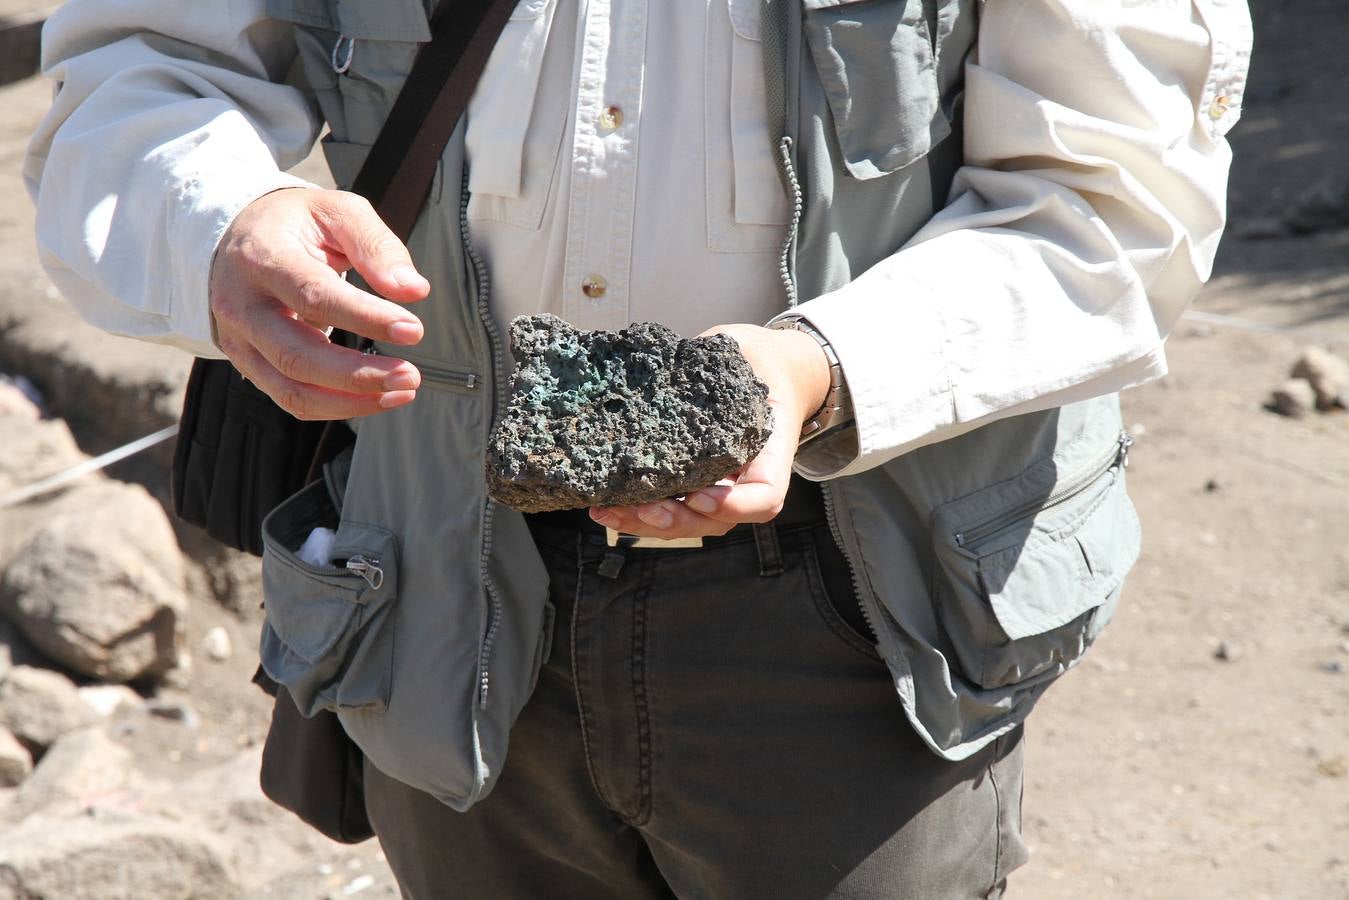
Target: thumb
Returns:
[[357, 232]]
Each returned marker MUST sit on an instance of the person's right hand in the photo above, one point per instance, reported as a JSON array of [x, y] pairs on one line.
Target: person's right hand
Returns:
[[275, 287]]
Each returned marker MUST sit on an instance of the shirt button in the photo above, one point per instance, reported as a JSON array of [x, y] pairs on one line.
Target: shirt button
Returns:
[[1219, 107], [610, 118], [594, 286]]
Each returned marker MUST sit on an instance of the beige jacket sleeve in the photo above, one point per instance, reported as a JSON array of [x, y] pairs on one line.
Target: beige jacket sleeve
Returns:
[[1083, 223], [158, 135]]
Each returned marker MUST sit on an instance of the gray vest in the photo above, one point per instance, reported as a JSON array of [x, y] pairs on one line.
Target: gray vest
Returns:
[[986, 564]]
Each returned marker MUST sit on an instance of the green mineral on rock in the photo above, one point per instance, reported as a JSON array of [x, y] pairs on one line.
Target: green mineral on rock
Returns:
[[602, 418]]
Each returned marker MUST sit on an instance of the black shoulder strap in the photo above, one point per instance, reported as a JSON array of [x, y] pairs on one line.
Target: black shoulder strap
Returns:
[[398, 171]]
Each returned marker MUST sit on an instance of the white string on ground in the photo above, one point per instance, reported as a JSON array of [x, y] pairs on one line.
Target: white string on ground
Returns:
[[60, 479], [1195, 315]]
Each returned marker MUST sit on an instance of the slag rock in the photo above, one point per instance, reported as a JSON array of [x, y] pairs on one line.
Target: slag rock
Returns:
[[598, 418]]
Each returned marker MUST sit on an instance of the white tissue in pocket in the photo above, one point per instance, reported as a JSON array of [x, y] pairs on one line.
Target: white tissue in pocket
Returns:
[[317, 549]]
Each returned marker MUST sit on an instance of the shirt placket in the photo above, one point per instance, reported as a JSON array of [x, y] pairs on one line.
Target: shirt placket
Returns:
[[611, 47]]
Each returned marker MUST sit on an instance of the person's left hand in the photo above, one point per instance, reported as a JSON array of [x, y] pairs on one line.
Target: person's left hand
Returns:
[[796, 371]]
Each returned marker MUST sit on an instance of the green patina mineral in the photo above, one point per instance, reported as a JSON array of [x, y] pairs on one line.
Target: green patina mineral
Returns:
[[608, 419]]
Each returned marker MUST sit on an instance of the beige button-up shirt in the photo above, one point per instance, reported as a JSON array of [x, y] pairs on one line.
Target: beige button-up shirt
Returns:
[[640, 186]]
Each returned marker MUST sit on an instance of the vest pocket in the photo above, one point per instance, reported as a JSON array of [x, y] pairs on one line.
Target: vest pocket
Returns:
[[877, 61], [325, 636], [356, 55], [1028, 571]]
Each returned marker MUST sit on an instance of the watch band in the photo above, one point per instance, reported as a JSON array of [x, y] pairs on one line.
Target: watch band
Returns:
[[836, 411]]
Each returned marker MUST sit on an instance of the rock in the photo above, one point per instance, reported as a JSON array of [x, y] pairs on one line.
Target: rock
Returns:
[[1332, 667], [99, 586], [112, 860], [39, 706], [174, 711], [1229, 651], [216, 644], [1328, 376], [15, 650], [34, 449], [605, 418], [16, 763], [1211, 486], [15, 401], [1295, 398], [106, 699], [75, 773]]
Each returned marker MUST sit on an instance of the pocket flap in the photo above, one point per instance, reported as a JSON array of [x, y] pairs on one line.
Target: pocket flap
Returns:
[[1043, 585], [877, 64], [380, 20], [310, 607]]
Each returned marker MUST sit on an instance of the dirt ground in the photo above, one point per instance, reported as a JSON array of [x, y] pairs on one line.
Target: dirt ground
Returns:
[[1157, 769]]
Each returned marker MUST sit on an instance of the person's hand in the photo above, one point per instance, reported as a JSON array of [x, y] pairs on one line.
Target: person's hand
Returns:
[[796, 371], [275, 287]]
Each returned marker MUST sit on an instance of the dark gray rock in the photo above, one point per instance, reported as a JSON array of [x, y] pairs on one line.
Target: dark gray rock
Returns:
[[611, 419]]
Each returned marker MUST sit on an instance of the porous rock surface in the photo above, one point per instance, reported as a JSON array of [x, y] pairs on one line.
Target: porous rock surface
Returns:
[[612, 419]]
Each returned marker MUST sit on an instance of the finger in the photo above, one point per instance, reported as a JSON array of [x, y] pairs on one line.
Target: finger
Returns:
[[356, 231], [666, 519], [305, 401], [318, 294], [303, 354], [758, 493]]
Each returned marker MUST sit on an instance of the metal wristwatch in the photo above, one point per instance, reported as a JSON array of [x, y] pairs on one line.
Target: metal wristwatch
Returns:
[[836, 411]]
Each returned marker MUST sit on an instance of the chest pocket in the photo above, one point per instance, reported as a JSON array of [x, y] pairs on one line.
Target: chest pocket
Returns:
[[356, 55], [746, 205], [512, 157], [892, 72]]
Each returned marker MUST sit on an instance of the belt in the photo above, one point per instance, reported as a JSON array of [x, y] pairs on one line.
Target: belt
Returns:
[[803, 507]]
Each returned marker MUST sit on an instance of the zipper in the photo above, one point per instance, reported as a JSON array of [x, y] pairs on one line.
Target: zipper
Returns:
[[786, 271], [368, 568], [793, 185], [827, 492], [439, 376], [1117, 458], [494, 352]]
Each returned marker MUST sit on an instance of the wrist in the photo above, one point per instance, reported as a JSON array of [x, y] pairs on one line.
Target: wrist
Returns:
[[827, 404]]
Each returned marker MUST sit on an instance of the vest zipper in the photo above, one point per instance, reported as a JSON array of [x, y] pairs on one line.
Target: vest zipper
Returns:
[[1118, 458], [786, 271], [494, 352], [438, 376], [794, 188]]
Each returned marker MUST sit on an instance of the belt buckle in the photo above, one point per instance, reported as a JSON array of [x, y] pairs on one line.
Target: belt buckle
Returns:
[[615, 538]]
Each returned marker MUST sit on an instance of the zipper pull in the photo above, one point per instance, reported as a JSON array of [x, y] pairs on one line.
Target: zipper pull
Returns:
[[340, 58], [1126, 440], [368, 569]]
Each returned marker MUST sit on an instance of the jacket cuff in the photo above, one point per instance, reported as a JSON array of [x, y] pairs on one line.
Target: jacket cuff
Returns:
[[197, 237], [897, 379]]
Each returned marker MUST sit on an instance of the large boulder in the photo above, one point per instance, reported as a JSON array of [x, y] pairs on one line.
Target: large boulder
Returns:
[[34, 448], [119, 859], [82, 768], [16, 763], [618, 418], [39, 706], [99, 585]]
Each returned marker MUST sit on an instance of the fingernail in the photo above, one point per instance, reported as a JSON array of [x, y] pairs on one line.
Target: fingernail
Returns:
[[700, 502], [405, 332], [604, 517], [401, 380], [656, 517], [407, 276], [394, 399]]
